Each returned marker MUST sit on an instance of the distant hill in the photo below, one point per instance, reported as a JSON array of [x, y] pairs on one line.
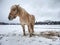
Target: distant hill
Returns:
[[3, 23], [36, 23], [48, 22]]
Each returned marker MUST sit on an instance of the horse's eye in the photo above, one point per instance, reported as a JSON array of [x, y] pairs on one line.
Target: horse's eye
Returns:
[[13, 9]]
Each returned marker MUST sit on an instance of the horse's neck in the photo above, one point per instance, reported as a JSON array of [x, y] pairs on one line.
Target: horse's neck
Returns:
[[19, 12], [23, 13]]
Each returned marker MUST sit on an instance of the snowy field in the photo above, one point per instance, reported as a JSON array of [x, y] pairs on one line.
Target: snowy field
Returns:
[[13, 35]]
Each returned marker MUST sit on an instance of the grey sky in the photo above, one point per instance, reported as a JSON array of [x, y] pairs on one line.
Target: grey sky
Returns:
[[41, 9]]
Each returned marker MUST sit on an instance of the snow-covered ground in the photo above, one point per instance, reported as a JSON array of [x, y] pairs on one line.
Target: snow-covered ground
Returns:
[[13, 35]]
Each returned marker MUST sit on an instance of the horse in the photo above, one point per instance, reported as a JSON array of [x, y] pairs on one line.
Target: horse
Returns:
[[24, 17]]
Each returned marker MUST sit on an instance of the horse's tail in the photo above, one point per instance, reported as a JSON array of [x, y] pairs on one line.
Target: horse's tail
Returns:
[[33, 19]]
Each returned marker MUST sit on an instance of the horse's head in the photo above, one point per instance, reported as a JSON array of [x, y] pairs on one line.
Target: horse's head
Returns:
[[13, 12]]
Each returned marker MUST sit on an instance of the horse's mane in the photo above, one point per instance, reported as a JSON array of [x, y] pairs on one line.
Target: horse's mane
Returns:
[[22, 10]]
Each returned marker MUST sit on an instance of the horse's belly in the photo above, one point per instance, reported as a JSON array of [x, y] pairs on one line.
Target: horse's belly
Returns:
[[24, 23]]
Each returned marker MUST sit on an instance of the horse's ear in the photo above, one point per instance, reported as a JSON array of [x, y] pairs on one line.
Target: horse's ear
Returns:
[[18, 5]]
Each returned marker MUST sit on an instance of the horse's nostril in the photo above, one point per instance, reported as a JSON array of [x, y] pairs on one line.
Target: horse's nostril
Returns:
[[9, 18]]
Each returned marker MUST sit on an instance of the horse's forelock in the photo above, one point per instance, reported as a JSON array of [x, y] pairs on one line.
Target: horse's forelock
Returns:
[[14, 6]]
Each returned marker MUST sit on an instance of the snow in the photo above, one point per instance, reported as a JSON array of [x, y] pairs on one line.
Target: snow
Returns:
[[13, 35]]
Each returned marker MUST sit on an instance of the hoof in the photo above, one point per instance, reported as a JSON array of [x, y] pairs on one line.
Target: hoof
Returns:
[[30, 35], [33, 34], [24, 34]]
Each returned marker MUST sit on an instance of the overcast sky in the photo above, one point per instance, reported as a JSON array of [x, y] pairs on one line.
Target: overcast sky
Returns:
[[41, 9]]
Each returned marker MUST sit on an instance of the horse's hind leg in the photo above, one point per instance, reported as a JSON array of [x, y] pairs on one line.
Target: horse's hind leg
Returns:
[[23, 26]]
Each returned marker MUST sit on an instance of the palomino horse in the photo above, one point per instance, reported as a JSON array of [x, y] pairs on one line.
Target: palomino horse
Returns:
[[24, 16]]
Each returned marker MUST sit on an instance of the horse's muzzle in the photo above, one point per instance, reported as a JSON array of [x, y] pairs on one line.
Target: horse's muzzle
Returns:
[[9, 18]]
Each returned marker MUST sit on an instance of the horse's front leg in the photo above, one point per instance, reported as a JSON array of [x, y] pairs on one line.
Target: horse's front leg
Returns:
[[30, 30], [23, 26], [32, 26]]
